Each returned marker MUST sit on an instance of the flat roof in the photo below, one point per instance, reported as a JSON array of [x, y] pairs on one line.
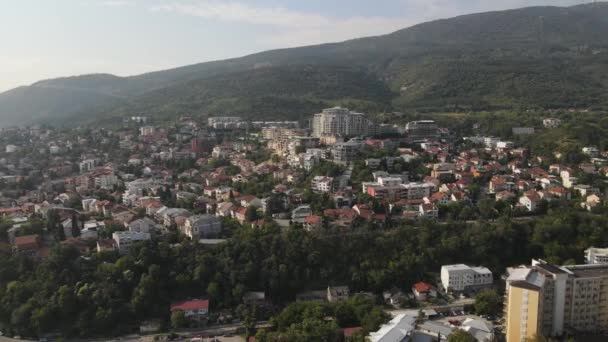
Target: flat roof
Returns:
[[551, 268], [589, 271]]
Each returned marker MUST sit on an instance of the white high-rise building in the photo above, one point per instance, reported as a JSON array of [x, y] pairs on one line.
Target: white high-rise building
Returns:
[[339, 121]]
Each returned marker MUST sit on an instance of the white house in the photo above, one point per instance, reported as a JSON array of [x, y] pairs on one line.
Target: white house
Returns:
[[321, 184], [195, 310]]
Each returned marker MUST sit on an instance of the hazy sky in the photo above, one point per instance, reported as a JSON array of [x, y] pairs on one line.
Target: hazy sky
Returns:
[[42, 39]]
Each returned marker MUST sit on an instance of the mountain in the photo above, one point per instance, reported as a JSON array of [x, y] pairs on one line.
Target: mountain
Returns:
[[551, 57]]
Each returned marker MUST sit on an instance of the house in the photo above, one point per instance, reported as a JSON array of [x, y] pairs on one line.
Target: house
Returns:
[[591, 202], [505, 196], [301, 212], [240, 214], [337, 293], [81, 245], [250, 201], [68, 224], [106, 245], [224, 209], [198, 226], [143, 225], [90, 230], [341, 217], [322, 184], [530, 200], [88, 204], [313, 222], [28, 245], [429, 211], [125, 240], [196, 310], [422, 291], [439, 198]]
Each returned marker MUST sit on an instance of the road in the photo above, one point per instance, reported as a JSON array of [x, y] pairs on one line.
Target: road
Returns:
[[221, 330], [228, 329]]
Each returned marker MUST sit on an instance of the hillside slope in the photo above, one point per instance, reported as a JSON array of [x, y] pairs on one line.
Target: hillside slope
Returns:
[[531, 57]]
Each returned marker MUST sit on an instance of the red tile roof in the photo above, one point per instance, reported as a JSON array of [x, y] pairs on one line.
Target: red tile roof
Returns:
[[313, 219], [422, 287], [196, 304], [27, 241], [351, 331]]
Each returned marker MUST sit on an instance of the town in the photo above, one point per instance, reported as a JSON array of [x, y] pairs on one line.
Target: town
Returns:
[[114, 193]]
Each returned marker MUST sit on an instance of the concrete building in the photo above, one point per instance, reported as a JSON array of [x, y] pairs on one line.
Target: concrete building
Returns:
[[422, 129], [392, 189], [400, 329], [345, 152], [199, 226], [339, 121], [106, 181], [146, 130], [226, 122], [86, 165], [596, 255], [548, 300], [551, 122], [124, 240], [460, 277], [322, 184]]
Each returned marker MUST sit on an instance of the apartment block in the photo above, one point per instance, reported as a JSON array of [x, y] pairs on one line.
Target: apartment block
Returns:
[[548, 300], [339, 121]]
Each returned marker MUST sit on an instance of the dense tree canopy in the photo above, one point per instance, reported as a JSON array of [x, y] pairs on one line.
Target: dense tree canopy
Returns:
[[104, 294]]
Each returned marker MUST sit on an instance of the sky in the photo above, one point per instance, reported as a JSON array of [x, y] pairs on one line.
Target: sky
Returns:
[[42, 39]]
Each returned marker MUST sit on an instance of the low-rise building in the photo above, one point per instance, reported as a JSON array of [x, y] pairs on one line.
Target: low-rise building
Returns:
[[194, 310], [423, 291], [401, 328], [125, 240], [460, 277], [596, 255], [199, 226], [322, 184]]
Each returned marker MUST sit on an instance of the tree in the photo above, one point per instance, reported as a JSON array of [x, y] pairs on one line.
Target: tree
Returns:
[[252, 214], [178, 320], [487, 302], [75, 228], [461, 336]]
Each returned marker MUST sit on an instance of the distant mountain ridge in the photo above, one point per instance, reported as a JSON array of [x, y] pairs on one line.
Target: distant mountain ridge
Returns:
[[533, 57]]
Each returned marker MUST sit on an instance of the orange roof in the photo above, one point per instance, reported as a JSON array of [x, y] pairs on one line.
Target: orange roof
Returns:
[[27, 241], [422, 287], [313, 219]]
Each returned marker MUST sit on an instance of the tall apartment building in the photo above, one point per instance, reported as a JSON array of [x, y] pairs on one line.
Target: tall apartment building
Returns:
[[339, 121], [548, 300]]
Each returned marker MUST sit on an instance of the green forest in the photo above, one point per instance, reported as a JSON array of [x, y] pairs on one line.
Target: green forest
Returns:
[[108, 294]]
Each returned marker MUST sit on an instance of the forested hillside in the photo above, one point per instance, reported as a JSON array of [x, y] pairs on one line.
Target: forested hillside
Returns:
[[545, 57]]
